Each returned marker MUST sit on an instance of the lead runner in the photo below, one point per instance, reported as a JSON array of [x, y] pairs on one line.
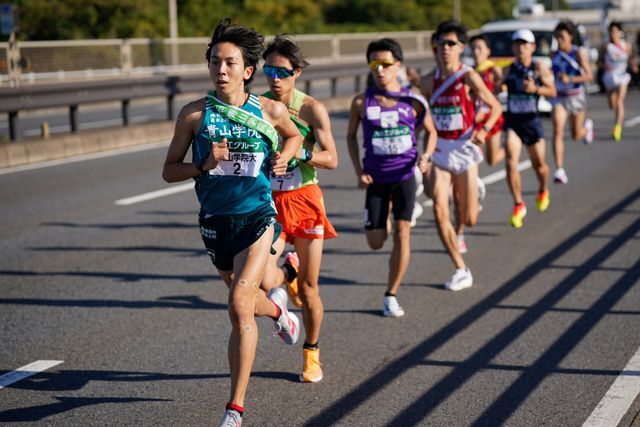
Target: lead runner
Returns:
[[233, 135]]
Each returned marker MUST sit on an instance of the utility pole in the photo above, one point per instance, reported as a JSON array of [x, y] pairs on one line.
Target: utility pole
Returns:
[[173, 31], [456, 11]]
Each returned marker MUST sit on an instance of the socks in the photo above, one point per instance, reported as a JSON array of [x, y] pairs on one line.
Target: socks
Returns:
[[239, 409], [389, 294], [278, 311], [308, 346], [292, 274]]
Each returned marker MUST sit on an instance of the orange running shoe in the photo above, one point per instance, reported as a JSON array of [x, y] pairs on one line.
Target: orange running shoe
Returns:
[[292, 287], [312, 371], [542, 201], [517, 217]]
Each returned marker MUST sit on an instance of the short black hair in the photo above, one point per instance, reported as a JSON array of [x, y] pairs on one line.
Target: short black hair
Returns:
[[481, 37], [566, 25], [282, 45], [248, 40], [452, 26], [385, 44], [615, 24]]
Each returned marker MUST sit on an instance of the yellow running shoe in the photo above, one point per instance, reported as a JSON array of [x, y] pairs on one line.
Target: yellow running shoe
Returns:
[[617, 132], [312, 371], [542, 201], [292, 287], [517, 217]]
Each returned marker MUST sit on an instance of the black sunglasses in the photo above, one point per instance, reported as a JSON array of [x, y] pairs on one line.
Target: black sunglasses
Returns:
[[447, 42]]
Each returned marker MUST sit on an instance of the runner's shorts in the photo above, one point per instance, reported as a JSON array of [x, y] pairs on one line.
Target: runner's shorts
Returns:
[[302, 214], [572, 103], [528, 127], [613, 81], [227, 236], [456, 155], [402, 196]]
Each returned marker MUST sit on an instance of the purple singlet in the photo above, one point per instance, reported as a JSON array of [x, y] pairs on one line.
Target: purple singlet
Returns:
[[390, 152]]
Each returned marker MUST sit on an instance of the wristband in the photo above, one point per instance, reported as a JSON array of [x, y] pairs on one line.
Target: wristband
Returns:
[[486, 128], [308, 155]]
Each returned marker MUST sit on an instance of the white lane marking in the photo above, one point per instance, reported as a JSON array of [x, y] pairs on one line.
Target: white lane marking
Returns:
[[84, 157], [27, 371], [155, 194], [632, 122], [493, 178], [618, 399]]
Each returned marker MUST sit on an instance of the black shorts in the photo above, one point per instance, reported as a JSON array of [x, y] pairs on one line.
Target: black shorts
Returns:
[[225, 237], [376, 210], [528, 128]]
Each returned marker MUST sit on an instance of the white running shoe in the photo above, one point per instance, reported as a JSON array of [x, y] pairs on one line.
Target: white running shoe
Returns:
[[590, 135], [418, 210], [482, 192], [231, 419], [392, 308], [560, 176], [460, 280], [287, 326], [462, 245]]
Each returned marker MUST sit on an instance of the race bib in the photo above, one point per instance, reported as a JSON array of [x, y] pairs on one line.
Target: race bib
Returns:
[[523, 104], [391, 141], [448, 118], [240, 163], [287, 182]]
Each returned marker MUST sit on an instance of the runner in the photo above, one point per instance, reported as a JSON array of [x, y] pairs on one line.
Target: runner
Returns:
[[571, 70], [526, 81], [494, 151], [617, 56], [233, 137], [390, 117], [299, 199], [450, 88]]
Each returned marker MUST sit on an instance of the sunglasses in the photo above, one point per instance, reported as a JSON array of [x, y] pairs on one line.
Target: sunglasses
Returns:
[[447, 42], [277, 72], [384, 63]]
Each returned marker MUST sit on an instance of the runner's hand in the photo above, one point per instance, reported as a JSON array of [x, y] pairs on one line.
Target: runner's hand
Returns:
[[530, 85], [278, 164], [479, 136], [365, 180], [424, 162], [219, 151]]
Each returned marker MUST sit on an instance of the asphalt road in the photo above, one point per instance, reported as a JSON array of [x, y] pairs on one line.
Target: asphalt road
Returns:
[[125, 297]]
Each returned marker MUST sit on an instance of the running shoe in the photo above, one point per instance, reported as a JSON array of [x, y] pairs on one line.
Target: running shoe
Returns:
[[231, 419], [292, 287], [460, 280], [560, 176], [312, 370], [617, 133], [287, 326], [590, 135], [517, 217], [482, 192], [391, 307], [542, 201], [462, 245], [418, 210]]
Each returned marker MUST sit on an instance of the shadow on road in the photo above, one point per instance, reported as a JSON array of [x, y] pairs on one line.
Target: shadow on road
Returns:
[[531, 376]]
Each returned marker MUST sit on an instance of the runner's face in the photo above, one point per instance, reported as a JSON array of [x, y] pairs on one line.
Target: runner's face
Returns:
[[480, 51], [387, 71], [449, 48], [523, 50], [564, 40], [226, 68], [281, 87], [614, 34]]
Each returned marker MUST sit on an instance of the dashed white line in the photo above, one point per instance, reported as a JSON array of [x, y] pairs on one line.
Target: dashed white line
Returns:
[[27, 371], [155, 194], [632, 122], [618, 399]]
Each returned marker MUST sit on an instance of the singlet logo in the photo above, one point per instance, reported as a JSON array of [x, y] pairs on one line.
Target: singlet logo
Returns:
[[389, 119]]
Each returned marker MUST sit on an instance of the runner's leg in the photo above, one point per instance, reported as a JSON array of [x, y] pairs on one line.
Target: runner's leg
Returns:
[[441, 183], [310, 254], [513, 148]]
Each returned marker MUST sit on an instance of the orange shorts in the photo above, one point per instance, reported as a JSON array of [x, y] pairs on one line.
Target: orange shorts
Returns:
[[301, 213]]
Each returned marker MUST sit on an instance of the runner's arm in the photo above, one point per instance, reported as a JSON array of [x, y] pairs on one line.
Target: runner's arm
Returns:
[[497, 76], [352, 133], [327, 157], [278, 115], [587, 74], [483, 93], [174, 169], [548, 88]]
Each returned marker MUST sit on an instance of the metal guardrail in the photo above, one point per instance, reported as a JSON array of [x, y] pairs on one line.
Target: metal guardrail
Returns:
[[73, 94], [91, 59]]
